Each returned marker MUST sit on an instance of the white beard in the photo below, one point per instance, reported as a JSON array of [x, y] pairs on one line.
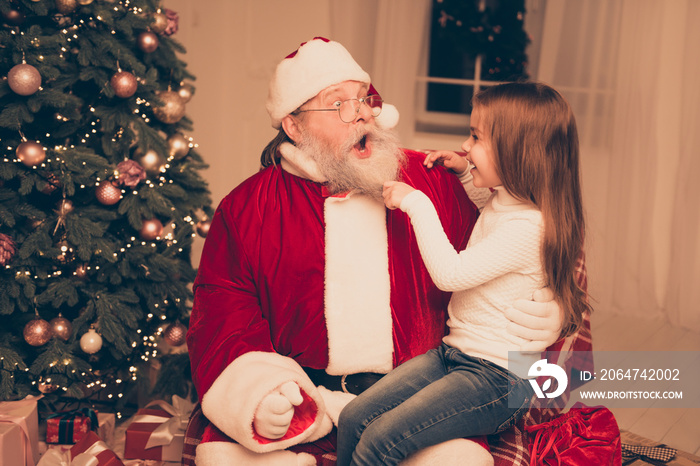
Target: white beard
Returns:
[[345, 172]]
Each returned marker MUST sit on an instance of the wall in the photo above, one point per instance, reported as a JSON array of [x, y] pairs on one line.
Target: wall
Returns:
[[233, 47]]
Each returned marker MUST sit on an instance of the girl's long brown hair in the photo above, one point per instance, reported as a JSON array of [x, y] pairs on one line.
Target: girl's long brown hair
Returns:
[[533, 134]]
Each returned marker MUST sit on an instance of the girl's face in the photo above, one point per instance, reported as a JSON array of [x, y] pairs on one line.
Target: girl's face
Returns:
[[480, 154]]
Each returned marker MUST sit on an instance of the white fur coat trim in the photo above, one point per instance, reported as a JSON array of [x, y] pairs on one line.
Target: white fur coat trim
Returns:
[[358, 287], [232, 454], [357, 295], [232, 400], [298, 163]]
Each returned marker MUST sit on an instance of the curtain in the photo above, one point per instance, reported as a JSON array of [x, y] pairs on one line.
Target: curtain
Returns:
[[630, 69], [387, 38], [683, 299]]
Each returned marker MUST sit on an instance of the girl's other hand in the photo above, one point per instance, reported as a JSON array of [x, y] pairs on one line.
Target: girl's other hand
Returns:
[[394, 192], [448, 159]]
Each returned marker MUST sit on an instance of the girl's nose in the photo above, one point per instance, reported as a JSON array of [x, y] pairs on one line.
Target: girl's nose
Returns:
[[466, 145]]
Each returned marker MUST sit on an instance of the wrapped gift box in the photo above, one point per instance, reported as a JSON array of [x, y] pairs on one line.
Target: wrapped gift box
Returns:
[[106, 424], [19, 432], [106, 428], [11, 435], [91, 449], [157, 431], [71, 426]]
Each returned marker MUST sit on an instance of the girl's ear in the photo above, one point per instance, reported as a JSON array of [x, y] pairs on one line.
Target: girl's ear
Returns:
[[291, 127]]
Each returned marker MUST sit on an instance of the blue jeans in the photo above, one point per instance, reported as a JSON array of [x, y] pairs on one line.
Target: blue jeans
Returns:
[[441, 395]]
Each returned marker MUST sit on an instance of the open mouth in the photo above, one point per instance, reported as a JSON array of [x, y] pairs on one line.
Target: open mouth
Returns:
[[361, 147]]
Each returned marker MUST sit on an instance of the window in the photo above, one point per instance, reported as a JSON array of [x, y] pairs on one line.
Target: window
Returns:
[[473, 44]]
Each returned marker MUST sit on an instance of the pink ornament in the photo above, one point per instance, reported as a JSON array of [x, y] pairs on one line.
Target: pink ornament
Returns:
[[130, 173], [7, 249], [175, 334], [172, 22]]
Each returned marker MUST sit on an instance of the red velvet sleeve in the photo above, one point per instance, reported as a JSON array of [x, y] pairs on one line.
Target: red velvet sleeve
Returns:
[[226, 318], [419, 307]]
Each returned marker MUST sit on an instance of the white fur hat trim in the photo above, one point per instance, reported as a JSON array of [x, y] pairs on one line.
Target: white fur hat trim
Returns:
[[314, 66]]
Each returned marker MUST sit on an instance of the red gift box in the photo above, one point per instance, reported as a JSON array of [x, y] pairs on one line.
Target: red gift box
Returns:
[[157, 432], [92, 445], [71, 426], [89, 450]]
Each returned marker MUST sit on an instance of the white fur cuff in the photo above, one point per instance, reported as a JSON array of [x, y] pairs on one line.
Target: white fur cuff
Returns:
[[233, 398]]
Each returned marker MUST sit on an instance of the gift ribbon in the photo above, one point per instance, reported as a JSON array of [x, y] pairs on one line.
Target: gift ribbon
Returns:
[[55, 457], [21, 421], [164, 434], [67, 420]]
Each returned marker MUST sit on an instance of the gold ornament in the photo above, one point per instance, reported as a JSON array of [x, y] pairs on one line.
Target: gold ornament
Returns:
[[179, 146], [66, 7], [108, 194], [203, 227], [61, 327], [31, 153], [186, 91], [148, 41], [37, 332], [151, 161], [151, 229], [175, 334], [173, 108], [24, 79], [124, 84], [85, 2], [91, 342], [16, 17], [160, 22]]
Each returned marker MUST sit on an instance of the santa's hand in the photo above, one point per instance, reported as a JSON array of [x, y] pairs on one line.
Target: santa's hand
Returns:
[[274, 415], [538, 321]]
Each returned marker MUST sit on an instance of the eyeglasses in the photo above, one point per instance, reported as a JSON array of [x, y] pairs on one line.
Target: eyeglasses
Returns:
[[349, 109]]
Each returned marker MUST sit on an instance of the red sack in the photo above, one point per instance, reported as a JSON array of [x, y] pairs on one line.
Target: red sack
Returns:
[[582, 436]]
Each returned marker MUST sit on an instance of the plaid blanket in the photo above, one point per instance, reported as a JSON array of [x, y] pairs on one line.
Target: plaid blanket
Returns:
[[508, 448]]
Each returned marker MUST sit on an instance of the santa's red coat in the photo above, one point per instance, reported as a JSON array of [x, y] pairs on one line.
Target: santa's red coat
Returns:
[[290, 277]]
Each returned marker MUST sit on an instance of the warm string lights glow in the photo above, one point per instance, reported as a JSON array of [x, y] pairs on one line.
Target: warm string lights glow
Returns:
[[92, 379], [90, 265], [133, 244]]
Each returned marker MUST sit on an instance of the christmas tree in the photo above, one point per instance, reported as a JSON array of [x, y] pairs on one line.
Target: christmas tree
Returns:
[[100, 197]]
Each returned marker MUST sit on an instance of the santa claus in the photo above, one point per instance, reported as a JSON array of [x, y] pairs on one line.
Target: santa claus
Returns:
[[308, 289]]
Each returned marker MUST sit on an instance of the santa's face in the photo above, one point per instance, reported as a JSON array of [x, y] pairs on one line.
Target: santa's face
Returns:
[[358, 155], [330, 129]]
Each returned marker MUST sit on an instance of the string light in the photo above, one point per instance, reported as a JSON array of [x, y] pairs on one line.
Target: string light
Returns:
[[69, 37]]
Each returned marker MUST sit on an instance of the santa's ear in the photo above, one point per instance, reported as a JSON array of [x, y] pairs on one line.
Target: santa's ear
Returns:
[[290, 125]]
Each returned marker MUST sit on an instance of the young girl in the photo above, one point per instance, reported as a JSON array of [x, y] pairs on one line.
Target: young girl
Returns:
[[524, 145]]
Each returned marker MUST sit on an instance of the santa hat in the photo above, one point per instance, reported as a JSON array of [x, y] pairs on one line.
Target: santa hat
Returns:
[[311, 68]]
